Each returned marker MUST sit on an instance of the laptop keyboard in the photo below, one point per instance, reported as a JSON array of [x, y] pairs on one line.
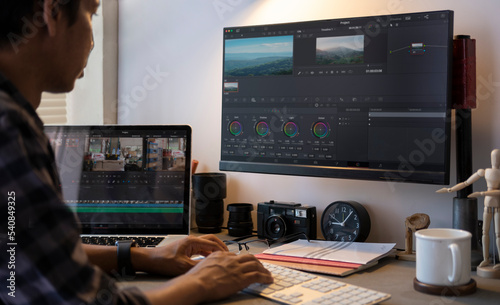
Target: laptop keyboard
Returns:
[[301, 288], [142, 241]]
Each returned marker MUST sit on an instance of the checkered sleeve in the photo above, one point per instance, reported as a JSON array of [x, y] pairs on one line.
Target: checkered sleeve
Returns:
[[42, 259]]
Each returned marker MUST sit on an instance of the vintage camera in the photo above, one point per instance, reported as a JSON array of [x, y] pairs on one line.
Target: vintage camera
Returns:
[[280, 219]]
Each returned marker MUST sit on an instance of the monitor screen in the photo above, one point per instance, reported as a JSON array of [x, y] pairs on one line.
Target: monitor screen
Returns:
[[357, 98]]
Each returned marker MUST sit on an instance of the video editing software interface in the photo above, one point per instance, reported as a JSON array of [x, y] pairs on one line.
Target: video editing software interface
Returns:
[[361, 98], [118, 177]]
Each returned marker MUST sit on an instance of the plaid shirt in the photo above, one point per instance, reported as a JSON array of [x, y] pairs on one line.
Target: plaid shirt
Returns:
[[42, 259]]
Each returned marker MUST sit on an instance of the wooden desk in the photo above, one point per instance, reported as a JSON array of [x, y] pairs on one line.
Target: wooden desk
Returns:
[[390, 275]]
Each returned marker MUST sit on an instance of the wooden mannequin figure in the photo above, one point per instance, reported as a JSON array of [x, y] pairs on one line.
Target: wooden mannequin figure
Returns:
[[491, 209]]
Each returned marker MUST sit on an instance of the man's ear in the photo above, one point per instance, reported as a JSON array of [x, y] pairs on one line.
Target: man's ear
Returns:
[[51, 15]]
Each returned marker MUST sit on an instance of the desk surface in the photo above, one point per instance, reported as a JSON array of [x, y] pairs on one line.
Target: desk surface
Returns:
[[389, 275]]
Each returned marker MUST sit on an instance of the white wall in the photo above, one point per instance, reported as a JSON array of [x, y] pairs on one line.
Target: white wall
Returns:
[[94, 98], [170, 72], [85, 102]]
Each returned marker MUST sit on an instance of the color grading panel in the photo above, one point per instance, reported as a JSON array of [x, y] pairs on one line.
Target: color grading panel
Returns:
[[363, 98]]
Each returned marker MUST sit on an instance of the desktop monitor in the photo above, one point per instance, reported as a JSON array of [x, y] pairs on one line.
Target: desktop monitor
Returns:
[[357, 98]]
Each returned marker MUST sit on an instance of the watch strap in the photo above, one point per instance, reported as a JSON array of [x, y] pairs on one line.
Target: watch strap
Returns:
[[124, 262]]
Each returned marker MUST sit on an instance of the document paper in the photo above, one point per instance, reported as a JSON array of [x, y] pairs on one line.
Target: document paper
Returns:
[[358, 253]]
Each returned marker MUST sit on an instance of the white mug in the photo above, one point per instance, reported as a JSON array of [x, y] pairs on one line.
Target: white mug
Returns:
[[443, 257]]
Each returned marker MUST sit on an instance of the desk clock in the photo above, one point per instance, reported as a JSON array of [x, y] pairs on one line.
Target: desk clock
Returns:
[[345, 221]]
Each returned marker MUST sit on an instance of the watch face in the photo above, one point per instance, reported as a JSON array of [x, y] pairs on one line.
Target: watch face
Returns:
[[345, 221]]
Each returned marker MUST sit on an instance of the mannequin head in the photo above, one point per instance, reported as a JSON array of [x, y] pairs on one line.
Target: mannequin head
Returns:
[[495, 158]]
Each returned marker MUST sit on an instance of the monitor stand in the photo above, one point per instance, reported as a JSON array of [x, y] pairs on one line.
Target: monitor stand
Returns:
[[464, 99], [465, 218]]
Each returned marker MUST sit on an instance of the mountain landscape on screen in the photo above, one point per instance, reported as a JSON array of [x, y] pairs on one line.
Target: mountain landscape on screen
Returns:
[[339, 56], [342, 50], [259, 56]]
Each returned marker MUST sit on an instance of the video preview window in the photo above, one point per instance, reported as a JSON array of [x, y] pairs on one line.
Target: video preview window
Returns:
[[264, 56], [134, 154], [341, 50]]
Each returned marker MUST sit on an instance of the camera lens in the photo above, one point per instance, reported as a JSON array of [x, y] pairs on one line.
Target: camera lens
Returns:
[[209, 215], [240, 220], [209, 191], [275, 227], [209, 186]]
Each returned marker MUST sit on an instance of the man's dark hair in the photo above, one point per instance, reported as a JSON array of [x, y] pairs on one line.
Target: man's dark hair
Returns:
[[18, 19]]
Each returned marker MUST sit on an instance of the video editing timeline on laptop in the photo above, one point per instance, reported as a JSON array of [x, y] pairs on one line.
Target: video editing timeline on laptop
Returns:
[[352, 98], [125, 179]]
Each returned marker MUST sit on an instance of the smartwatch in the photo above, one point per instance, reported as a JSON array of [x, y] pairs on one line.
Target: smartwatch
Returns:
[[124, 262]]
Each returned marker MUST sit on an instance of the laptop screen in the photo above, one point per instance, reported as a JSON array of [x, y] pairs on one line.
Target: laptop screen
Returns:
[[125, 179]]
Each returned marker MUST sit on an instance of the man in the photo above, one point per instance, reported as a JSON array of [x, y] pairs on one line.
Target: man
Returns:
[[44, 46]]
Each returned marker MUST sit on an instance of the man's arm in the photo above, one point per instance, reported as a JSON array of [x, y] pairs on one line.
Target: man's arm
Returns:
[[102, 256], [219, 275], [172, 260]]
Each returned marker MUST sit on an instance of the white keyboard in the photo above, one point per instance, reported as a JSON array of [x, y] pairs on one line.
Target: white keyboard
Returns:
[[301, 288]]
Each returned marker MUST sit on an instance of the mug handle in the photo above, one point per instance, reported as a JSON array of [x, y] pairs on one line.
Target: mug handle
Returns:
[[456, 263]]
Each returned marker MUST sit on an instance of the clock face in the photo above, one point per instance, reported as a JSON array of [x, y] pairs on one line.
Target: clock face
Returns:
[[345, 221]]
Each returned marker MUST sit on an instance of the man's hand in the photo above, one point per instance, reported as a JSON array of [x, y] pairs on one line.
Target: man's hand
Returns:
[[219, 275], [223, 274], [175, 258]]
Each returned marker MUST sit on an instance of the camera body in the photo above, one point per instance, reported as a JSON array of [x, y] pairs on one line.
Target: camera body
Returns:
[[279, 219]]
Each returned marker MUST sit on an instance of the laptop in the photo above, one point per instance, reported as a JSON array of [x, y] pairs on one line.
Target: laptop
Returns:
[[126, 181]]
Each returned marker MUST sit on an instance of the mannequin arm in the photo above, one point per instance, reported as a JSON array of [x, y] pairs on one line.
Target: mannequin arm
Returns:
[[476, 176], [485, 193]]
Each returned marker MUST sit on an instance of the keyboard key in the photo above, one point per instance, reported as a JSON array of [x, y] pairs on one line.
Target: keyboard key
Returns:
[[297, 294]]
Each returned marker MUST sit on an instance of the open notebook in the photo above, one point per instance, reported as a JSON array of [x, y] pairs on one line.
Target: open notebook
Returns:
[[126, 181]]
